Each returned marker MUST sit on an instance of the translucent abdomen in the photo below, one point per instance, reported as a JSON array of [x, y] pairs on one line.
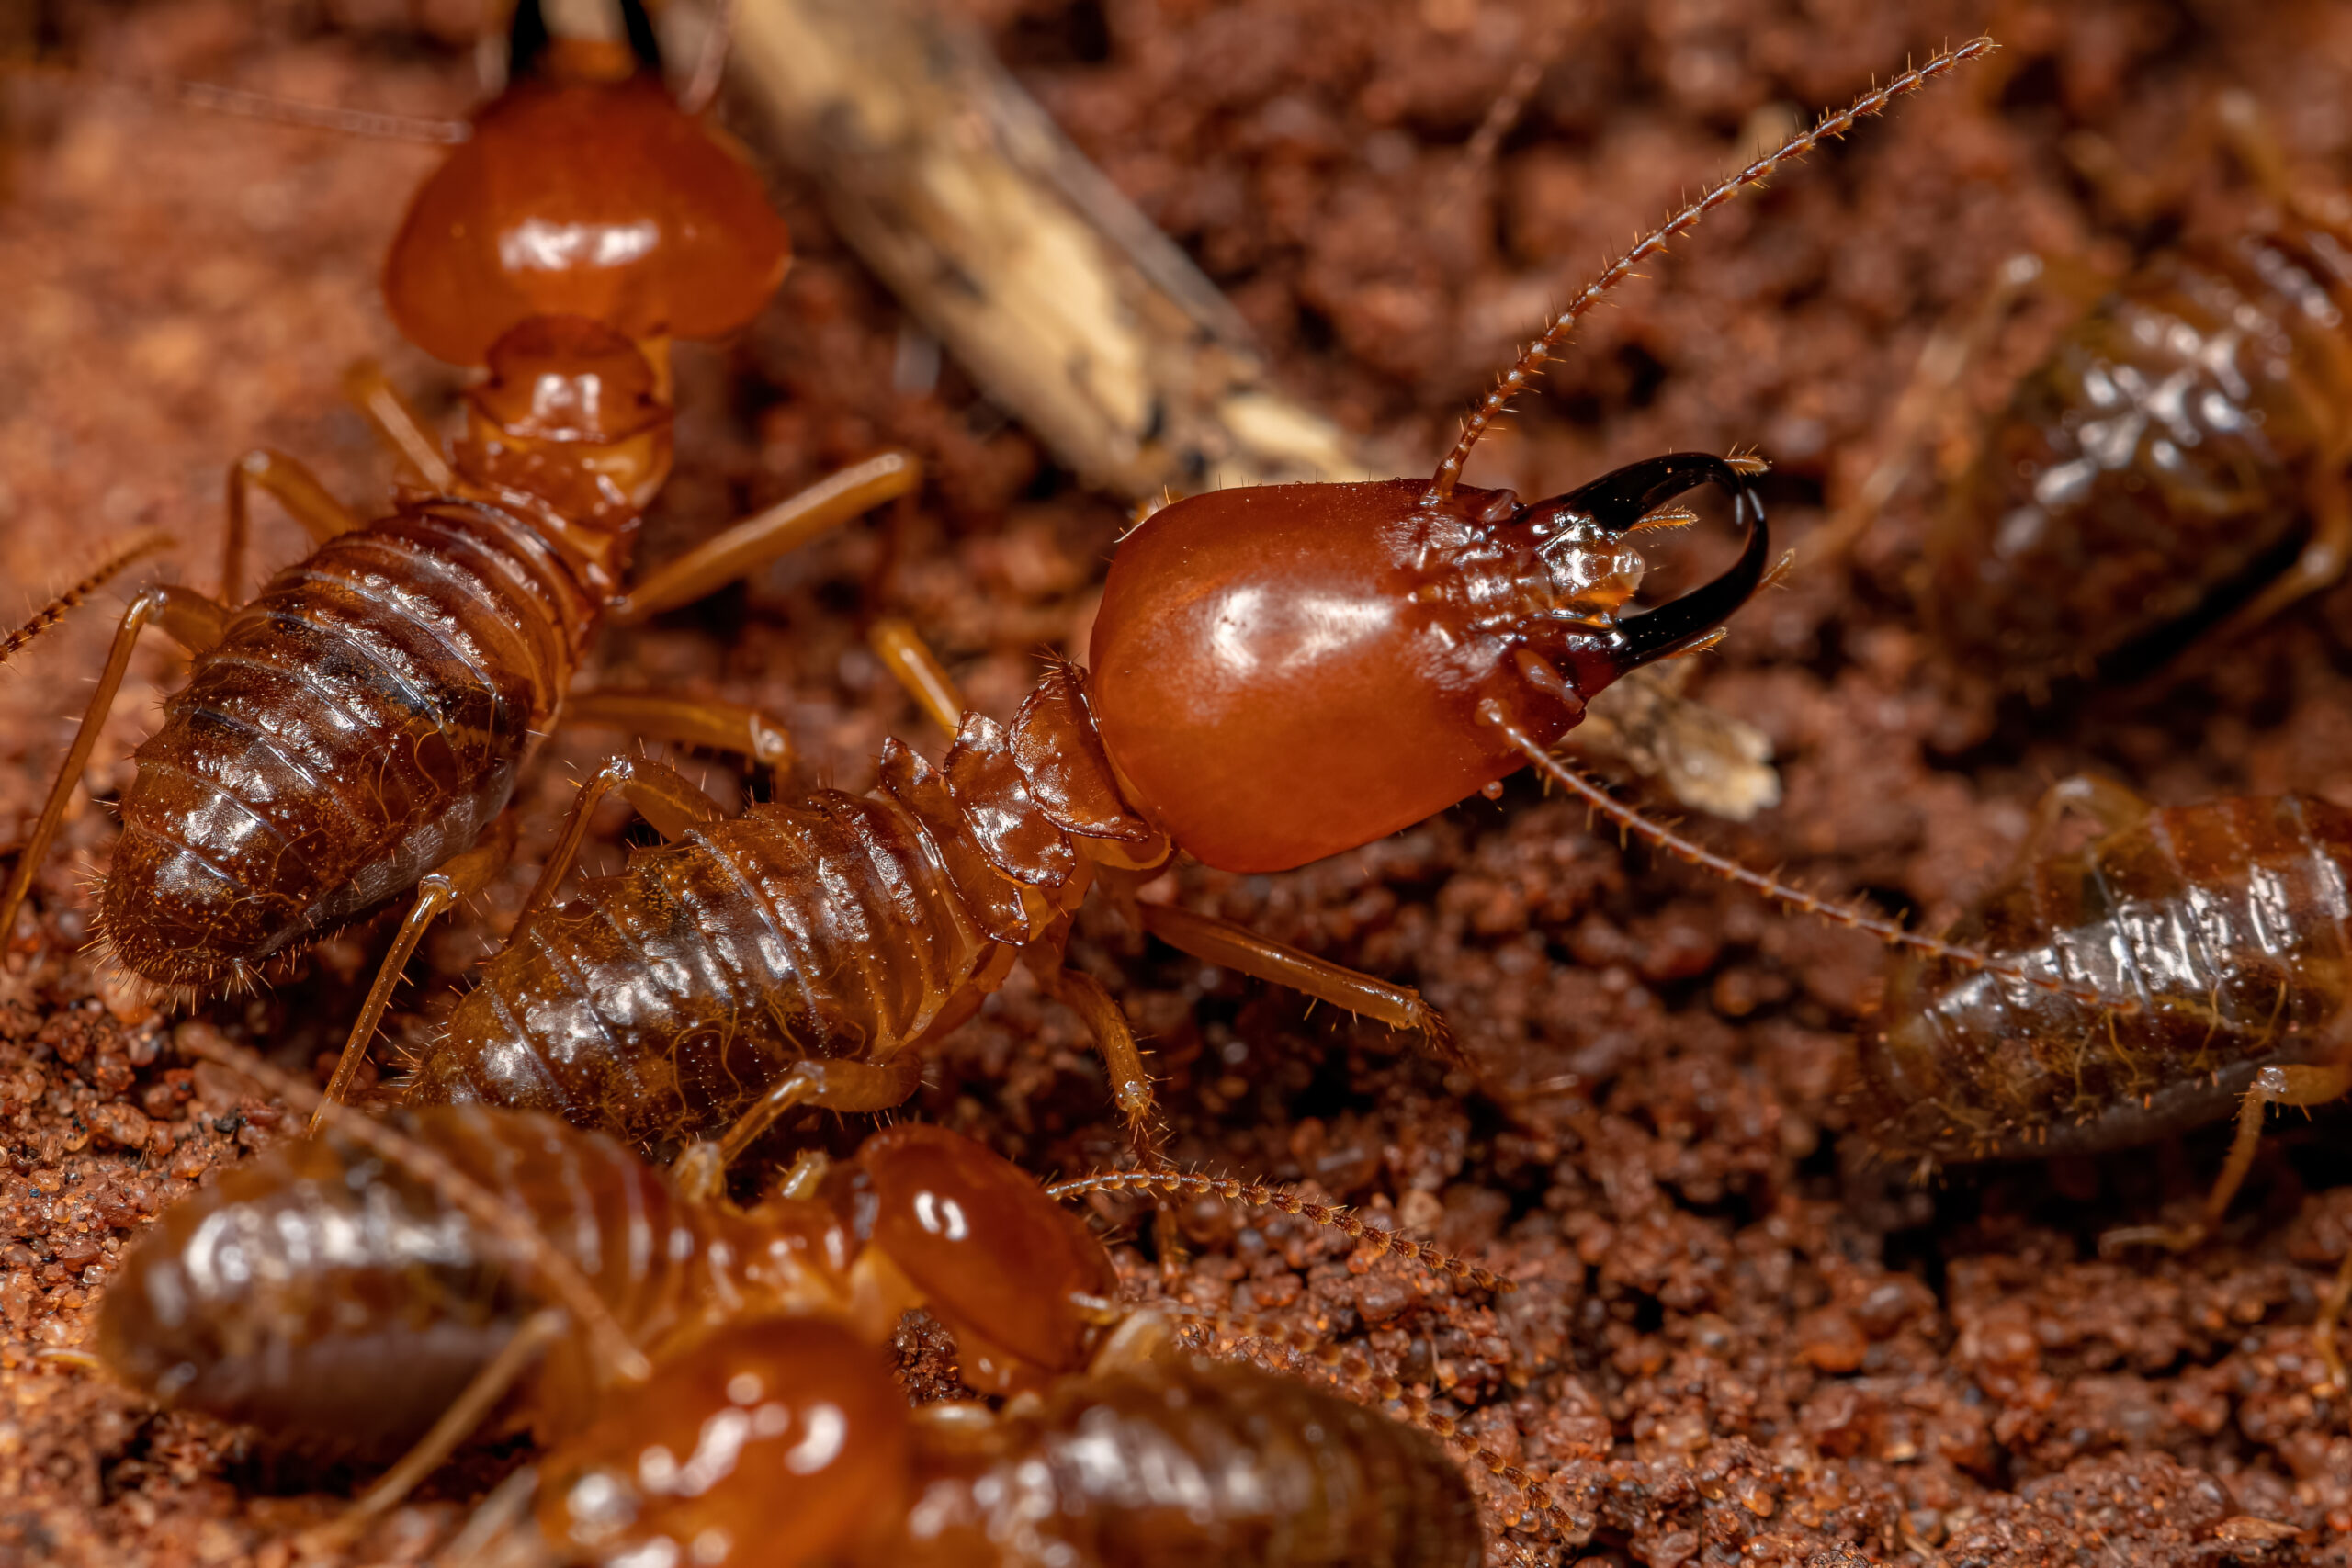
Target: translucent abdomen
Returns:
[[339, 1304], [2152, 466], [1190, 1462], [660, 1003], [361, 721], [2224, 922], [664, 1000], [803, 1451]]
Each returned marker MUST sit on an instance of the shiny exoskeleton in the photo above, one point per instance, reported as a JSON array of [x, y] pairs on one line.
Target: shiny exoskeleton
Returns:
[[2224, 923], [359, 724], [340, 1302], [777, 1440], [2178, 456], [1277, 673], [665, 1001]]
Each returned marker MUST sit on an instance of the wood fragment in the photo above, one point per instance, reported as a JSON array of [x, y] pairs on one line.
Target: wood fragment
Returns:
[[1081, 318]]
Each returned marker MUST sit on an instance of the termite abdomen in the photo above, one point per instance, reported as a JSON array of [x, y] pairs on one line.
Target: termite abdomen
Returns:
[[784, 1443], [338, 1303], [2165, 463], [1189, 1461], [2220, 931], [358, 723], [661, 1001]]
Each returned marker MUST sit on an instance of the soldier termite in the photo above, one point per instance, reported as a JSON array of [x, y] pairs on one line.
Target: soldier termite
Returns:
[[1278, 673]]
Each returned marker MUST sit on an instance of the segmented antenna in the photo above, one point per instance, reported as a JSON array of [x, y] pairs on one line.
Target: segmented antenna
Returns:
[[1256, 1194], [1544, 348], [243, 104], [145, 543], [1355, 1366], [560, 1276], [1788, 894]]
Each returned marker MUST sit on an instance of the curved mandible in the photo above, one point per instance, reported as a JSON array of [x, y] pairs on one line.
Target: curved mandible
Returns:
[[1619, 499]]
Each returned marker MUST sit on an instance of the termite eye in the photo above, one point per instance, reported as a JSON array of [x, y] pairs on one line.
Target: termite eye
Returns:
[[1502, 507]]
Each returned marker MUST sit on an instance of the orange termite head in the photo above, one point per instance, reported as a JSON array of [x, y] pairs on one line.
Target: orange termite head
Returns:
[[571, 412], [780, 1442], [1283, 672], [584, 192], [991, 1254]]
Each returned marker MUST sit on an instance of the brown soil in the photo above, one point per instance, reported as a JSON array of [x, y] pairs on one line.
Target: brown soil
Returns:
[[1727, 1345]]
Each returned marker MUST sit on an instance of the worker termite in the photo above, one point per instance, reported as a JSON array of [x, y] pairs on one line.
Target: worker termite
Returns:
[[1278, 673], [354, 732], [780, 1433], [2222, 924], [389, 1286], [2177, 457]]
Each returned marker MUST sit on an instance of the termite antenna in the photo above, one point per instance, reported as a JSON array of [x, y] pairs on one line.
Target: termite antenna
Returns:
[[237, 102], [1256, 1194], [1788, 894], [1355, 1367], [145, 543], [556, 1273], [1674, 228]]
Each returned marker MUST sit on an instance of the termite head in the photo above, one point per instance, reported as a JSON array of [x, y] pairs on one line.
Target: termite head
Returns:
[[1284, 672], [971, 1237], [585, 192], [572, 413]]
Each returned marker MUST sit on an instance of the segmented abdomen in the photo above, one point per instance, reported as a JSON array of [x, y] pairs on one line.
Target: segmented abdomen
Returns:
[[339, 1305], [360, 722], [1190, 1462], [662, 1000], [2153, 464], [2225, 923]]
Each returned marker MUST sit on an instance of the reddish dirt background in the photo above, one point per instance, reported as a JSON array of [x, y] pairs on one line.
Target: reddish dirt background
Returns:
[[1728, 1344]]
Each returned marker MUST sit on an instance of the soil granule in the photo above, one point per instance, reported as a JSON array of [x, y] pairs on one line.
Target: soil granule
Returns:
[[1731, 1340]]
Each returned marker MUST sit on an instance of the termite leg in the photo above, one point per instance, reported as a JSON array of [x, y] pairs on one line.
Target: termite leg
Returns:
[[756, 541], [459, 877], [2331, 1312], [186, 616], [660, 793], [806, 1177], [705, 722], [906, 656], [829, 1084], [1114, 1038], [465, 1413], [2324, 553], [1238, 948], [397, 423], [2301, 1085], [297, 488]]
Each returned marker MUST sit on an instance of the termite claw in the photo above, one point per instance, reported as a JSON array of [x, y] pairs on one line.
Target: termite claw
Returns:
[[1643, 487]]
